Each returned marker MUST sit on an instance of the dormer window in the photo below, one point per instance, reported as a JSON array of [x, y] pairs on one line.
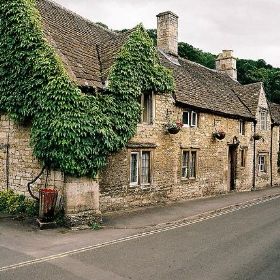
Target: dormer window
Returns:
[[190, 118]]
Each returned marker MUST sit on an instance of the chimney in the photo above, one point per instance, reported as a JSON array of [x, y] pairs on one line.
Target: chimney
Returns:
[[167, 33], [227, 63]]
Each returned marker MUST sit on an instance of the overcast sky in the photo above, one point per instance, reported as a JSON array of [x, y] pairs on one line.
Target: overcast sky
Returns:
[[248, 27]]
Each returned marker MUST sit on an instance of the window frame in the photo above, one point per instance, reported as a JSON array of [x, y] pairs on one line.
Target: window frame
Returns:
[[140, 167], [147, 105], [192, 118], [263, 119], [189, 164], [243, 157], [242, 127], [262, 164]]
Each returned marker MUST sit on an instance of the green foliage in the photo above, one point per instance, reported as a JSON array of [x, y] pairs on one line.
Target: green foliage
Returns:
[[189, 52], [71, 131], [4, 197], [251, 71], [103, 25], [16, 204], [60, 218], [137, 67], [94, 225]]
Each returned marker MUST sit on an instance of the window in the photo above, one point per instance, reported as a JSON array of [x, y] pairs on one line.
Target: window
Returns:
[[140, 167], [146, 101], [189, 164], [263, 116], [262, 163], [241, 127], [189, 118], [243, 157]]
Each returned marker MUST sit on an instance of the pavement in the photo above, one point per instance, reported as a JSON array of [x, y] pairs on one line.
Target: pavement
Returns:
[[161, 215], [182, 211], [22, 240]]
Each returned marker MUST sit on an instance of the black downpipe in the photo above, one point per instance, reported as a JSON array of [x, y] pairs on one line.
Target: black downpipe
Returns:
[[31, 182]]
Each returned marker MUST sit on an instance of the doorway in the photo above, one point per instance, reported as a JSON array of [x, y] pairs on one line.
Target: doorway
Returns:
[[232, 161]]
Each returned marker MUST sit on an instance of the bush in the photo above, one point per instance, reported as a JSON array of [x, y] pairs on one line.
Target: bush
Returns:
[[18, 204]]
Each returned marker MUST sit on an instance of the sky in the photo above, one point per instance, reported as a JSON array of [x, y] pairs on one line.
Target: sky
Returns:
[[248, 27]]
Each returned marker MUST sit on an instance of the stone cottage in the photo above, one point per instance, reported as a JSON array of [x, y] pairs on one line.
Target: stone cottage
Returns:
[[156, 166]]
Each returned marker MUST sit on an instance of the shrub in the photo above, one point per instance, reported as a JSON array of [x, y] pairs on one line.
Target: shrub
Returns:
[[18, 204]]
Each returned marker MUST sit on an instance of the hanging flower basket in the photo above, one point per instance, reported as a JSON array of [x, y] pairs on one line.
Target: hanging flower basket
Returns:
[[173, 127], [173, 130], [220, 134], [257, 136]]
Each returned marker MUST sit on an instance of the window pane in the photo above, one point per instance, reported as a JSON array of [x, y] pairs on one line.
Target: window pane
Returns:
[[243, 158], [147, 108], [134, 167], [261, 163], [241, 127], [186, 118], [263, 120], [194, 119], [185, 161], [145, 168], [193, 164]]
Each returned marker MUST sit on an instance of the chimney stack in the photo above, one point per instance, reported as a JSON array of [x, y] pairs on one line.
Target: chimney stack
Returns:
[[167, 33], [227, 63]]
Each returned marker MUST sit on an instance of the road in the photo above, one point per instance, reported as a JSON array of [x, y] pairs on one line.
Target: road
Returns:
[[243, 244]]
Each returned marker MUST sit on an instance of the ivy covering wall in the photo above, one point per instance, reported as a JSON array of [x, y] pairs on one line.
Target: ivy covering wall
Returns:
[[71, 131]]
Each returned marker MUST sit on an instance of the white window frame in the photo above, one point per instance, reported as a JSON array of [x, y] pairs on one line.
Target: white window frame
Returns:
[[262, 163], [192, 118], [140, 168], [241, 127], [136, 172]]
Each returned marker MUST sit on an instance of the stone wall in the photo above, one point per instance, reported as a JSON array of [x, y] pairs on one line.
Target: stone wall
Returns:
[[19, 167], [213, 164]]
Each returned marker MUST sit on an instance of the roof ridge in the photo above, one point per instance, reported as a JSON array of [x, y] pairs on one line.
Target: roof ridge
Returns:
[[79, 16]]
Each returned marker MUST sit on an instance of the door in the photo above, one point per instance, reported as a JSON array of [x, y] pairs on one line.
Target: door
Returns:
[[232, 167]]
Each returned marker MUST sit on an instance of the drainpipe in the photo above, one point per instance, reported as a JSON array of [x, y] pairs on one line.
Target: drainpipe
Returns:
[[271, 150], [254, 160], [8, 157]]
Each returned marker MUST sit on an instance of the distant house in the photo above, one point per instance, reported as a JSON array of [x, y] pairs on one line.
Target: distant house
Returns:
[[155, 166]]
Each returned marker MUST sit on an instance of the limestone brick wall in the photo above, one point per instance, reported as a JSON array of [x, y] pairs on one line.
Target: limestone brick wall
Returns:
[[116, 193], [19, 167], [275, 150]]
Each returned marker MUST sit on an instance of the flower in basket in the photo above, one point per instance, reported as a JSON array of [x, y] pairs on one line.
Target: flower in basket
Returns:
[[220, 134], [257, 136], [173, 126]]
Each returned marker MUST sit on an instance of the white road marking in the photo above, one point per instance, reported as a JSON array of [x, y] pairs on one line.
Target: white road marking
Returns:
[[176, 224]]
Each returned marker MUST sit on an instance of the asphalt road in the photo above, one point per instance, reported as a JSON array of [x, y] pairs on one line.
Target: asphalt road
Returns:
[[243, 244]]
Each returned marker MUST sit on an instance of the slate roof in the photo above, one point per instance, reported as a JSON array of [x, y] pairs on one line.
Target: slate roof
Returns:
[[249, 94], [274, 112], [207, 89], [88, 49], [75, 39]]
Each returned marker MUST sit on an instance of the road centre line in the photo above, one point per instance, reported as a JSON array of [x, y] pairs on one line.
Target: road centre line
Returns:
[[175, 225]]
